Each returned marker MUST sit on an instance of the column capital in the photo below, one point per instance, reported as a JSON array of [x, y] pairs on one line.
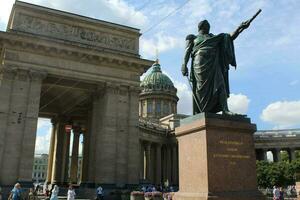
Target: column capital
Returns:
[[37, 75], [22, 74], [135, 89], [10, 71], [54, 121], [112, 85], [148, 145], [159, 145]]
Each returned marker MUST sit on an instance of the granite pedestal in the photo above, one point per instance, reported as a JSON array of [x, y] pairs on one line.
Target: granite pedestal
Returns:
[[216, 158]]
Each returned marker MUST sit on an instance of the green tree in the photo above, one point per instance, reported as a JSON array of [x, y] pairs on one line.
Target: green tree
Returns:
[[279, 173]]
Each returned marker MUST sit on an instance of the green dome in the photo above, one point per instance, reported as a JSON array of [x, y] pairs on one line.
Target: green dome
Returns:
[[156, 80]]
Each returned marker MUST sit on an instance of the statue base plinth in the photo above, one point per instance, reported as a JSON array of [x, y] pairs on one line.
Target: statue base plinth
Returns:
[[216, 158]]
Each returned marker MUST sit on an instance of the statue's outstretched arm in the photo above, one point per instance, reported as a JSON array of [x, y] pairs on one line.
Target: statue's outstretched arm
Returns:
[[243, 26], [188, 51]]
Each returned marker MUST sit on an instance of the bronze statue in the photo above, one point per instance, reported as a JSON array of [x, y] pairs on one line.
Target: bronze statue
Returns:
[[211, 56]]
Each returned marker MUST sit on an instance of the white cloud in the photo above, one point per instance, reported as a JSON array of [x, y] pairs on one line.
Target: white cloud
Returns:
[[238, 103], [117, 11], [42, 143], [5, 8], [161, 42], [283, 114], [185, 103], [43, 122]]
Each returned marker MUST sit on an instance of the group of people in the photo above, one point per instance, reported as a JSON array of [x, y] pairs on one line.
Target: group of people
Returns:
[[159, 188], [54, 193], [278, 193], [17, 193]]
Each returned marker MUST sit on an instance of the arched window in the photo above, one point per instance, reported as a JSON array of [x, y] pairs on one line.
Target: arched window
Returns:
[[166, 107], [149, 107], [158, 107]]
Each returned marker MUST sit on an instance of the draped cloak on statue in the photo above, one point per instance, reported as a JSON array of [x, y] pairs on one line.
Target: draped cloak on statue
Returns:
[[211, 56]]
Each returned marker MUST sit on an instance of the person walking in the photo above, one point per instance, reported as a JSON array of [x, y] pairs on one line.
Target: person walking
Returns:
[[15, 193], [276, 193], [99, 192], [54, 194], [71, 193], [31, 195], [281, 194]]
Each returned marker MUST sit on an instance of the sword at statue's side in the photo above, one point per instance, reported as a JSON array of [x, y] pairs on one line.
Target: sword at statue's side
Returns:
[[194, 97]]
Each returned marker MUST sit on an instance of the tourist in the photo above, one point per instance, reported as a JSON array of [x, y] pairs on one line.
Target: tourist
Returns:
[[143, 188], [281, 194], [276, 193], [15, 193], [153, 189], [71, 193], [99, 193], [54, 193], [31, 194]]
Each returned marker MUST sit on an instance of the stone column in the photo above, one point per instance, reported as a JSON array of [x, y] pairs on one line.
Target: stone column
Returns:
[[123, 115], [51, 151], [291, 153], [140, 109], [261, 154], [30, 118], [74, 158], [66, 157], [93, 137], [58, 156], [165, 160], [276, 155], [133, 136], [85, 157], [169, 163], [19, 109], [142, 161], [158, 164], [148, 161], [174, 165], [107, 136]]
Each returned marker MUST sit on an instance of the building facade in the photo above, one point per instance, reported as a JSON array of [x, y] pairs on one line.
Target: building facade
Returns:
[[76, 71], [40, 165]]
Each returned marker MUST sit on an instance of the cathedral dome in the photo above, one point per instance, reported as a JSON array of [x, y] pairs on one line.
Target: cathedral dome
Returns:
[[156, 80], [158, 95]]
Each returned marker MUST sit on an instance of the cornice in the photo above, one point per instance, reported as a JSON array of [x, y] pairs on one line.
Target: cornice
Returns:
[[73, 51]]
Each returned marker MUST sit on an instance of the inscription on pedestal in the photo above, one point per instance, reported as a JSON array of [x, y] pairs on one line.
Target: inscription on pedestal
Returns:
[[231, 151]]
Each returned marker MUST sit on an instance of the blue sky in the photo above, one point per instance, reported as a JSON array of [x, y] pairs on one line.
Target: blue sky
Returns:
[[266, 83]]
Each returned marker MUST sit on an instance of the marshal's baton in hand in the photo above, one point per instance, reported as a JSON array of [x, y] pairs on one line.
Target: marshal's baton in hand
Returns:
[[248, 22]]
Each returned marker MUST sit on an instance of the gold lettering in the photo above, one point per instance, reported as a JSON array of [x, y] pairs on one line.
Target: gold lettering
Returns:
[[232, 149], [231, 142], [231, 156]]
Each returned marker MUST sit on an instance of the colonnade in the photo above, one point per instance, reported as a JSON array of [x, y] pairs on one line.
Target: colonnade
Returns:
[[60, 171], [158, 163], [261, 154]]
